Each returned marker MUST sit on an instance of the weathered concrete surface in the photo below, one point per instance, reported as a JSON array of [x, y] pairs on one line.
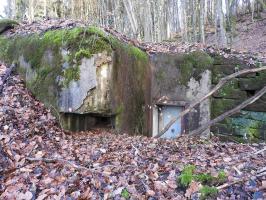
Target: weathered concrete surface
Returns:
[[90, 77], [84, 74], [178, 81], [91, 93]]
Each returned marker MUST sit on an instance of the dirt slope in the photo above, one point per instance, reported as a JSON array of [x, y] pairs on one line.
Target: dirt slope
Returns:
[[250, 36]]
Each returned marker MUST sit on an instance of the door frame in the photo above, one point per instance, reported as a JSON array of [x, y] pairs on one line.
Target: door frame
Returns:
[[155, 122]]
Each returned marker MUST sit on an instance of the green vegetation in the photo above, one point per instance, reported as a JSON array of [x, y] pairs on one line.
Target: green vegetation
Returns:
[[188, 175], [208, 192], [70, 74], [219, 106], [125, 194], [44, 54], [129, 49], [193, 64], [82, 53], [55, 56]]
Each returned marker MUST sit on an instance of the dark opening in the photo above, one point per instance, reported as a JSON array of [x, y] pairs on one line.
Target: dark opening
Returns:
[[251, 93], [85, 122]]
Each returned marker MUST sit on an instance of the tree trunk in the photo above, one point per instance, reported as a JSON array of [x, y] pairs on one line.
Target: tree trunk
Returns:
[[202, 25], [220, 29]]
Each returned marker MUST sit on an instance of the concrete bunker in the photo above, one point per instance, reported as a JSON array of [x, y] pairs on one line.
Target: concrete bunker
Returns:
[[95, 80]]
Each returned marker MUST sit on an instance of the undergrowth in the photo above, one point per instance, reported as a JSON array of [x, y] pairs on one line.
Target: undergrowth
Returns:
[[206, 179]]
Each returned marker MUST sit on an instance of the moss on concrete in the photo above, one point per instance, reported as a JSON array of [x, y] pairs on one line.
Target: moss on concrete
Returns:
[[6, 24], [71, 74], [245, 127], [130, 68], [193, 64], [79, 43], [231, 91], [219, 106]]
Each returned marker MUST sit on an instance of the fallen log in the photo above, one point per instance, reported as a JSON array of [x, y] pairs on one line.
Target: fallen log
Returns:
[[7, 75], [221, 83]]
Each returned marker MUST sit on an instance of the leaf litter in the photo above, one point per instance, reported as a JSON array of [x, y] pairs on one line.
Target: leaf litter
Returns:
[[38, 160]]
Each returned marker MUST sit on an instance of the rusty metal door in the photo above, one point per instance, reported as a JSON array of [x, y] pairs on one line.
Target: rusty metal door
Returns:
[[166, 114]]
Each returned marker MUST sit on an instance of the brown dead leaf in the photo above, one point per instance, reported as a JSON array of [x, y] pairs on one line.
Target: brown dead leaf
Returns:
[[160, 186], [193, 187]]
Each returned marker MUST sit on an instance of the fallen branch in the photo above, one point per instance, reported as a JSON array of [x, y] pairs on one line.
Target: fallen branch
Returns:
[[226, 185], [230, 112], [221, 83], [260, 151], [6, 76]]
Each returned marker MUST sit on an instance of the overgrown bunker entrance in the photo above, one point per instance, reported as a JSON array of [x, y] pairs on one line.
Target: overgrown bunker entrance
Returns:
[[83, 122]]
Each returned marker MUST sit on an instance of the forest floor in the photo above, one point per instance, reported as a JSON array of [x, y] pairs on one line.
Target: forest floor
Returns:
[[249, 36], [38, 160]]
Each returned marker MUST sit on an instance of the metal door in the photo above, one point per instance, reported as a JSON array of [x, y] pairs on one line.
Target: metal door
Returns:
[[167, 113]]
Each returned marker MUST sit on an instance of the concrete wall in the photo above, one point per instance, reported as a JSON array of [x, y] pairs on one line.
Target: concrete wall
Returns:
[[90, 76], [250, 123], [86, 75], [178, 80], [181, 79]]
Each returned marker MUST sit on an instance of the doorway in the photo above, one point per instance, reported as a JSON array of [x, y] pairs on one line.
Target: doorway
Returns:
[[162, 115]]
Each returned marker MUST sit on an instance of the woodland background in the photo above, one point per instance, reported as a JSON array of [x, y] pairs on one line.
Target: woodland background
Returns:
[[149, 20]]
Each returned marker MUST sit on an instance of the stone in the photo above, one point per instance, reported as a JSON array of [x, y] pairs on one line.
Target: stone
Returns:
[[231, 91], [255, 83], [258, 106], [223, 69], [220, 106], [221, 129]]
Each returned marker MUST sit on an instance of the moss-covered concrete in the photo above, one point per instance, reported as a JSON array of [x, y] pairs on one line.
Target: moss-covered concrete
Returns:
[[193, 64], [220, 106], [253, 83], [231, 91], [51, 62], [249, 124], [130, 87], [44, 55], [6, 24]]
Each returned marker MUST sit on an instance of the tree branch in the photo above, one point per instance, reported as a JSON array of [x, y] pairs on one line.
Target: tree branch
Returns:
[[221, 83], [230, 112]]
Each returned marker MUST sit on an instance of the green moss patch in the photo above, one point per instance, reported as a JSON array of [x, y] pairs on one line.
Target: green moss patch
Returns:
[[220, 106], [44, 54], [208, 190], [189, 173], [125, 194], [231, 91], [193, 64]]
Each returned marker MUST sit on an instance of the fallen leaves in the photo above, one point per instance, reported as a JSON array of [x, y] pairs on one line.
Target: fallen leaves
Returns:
[[40, 161]]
